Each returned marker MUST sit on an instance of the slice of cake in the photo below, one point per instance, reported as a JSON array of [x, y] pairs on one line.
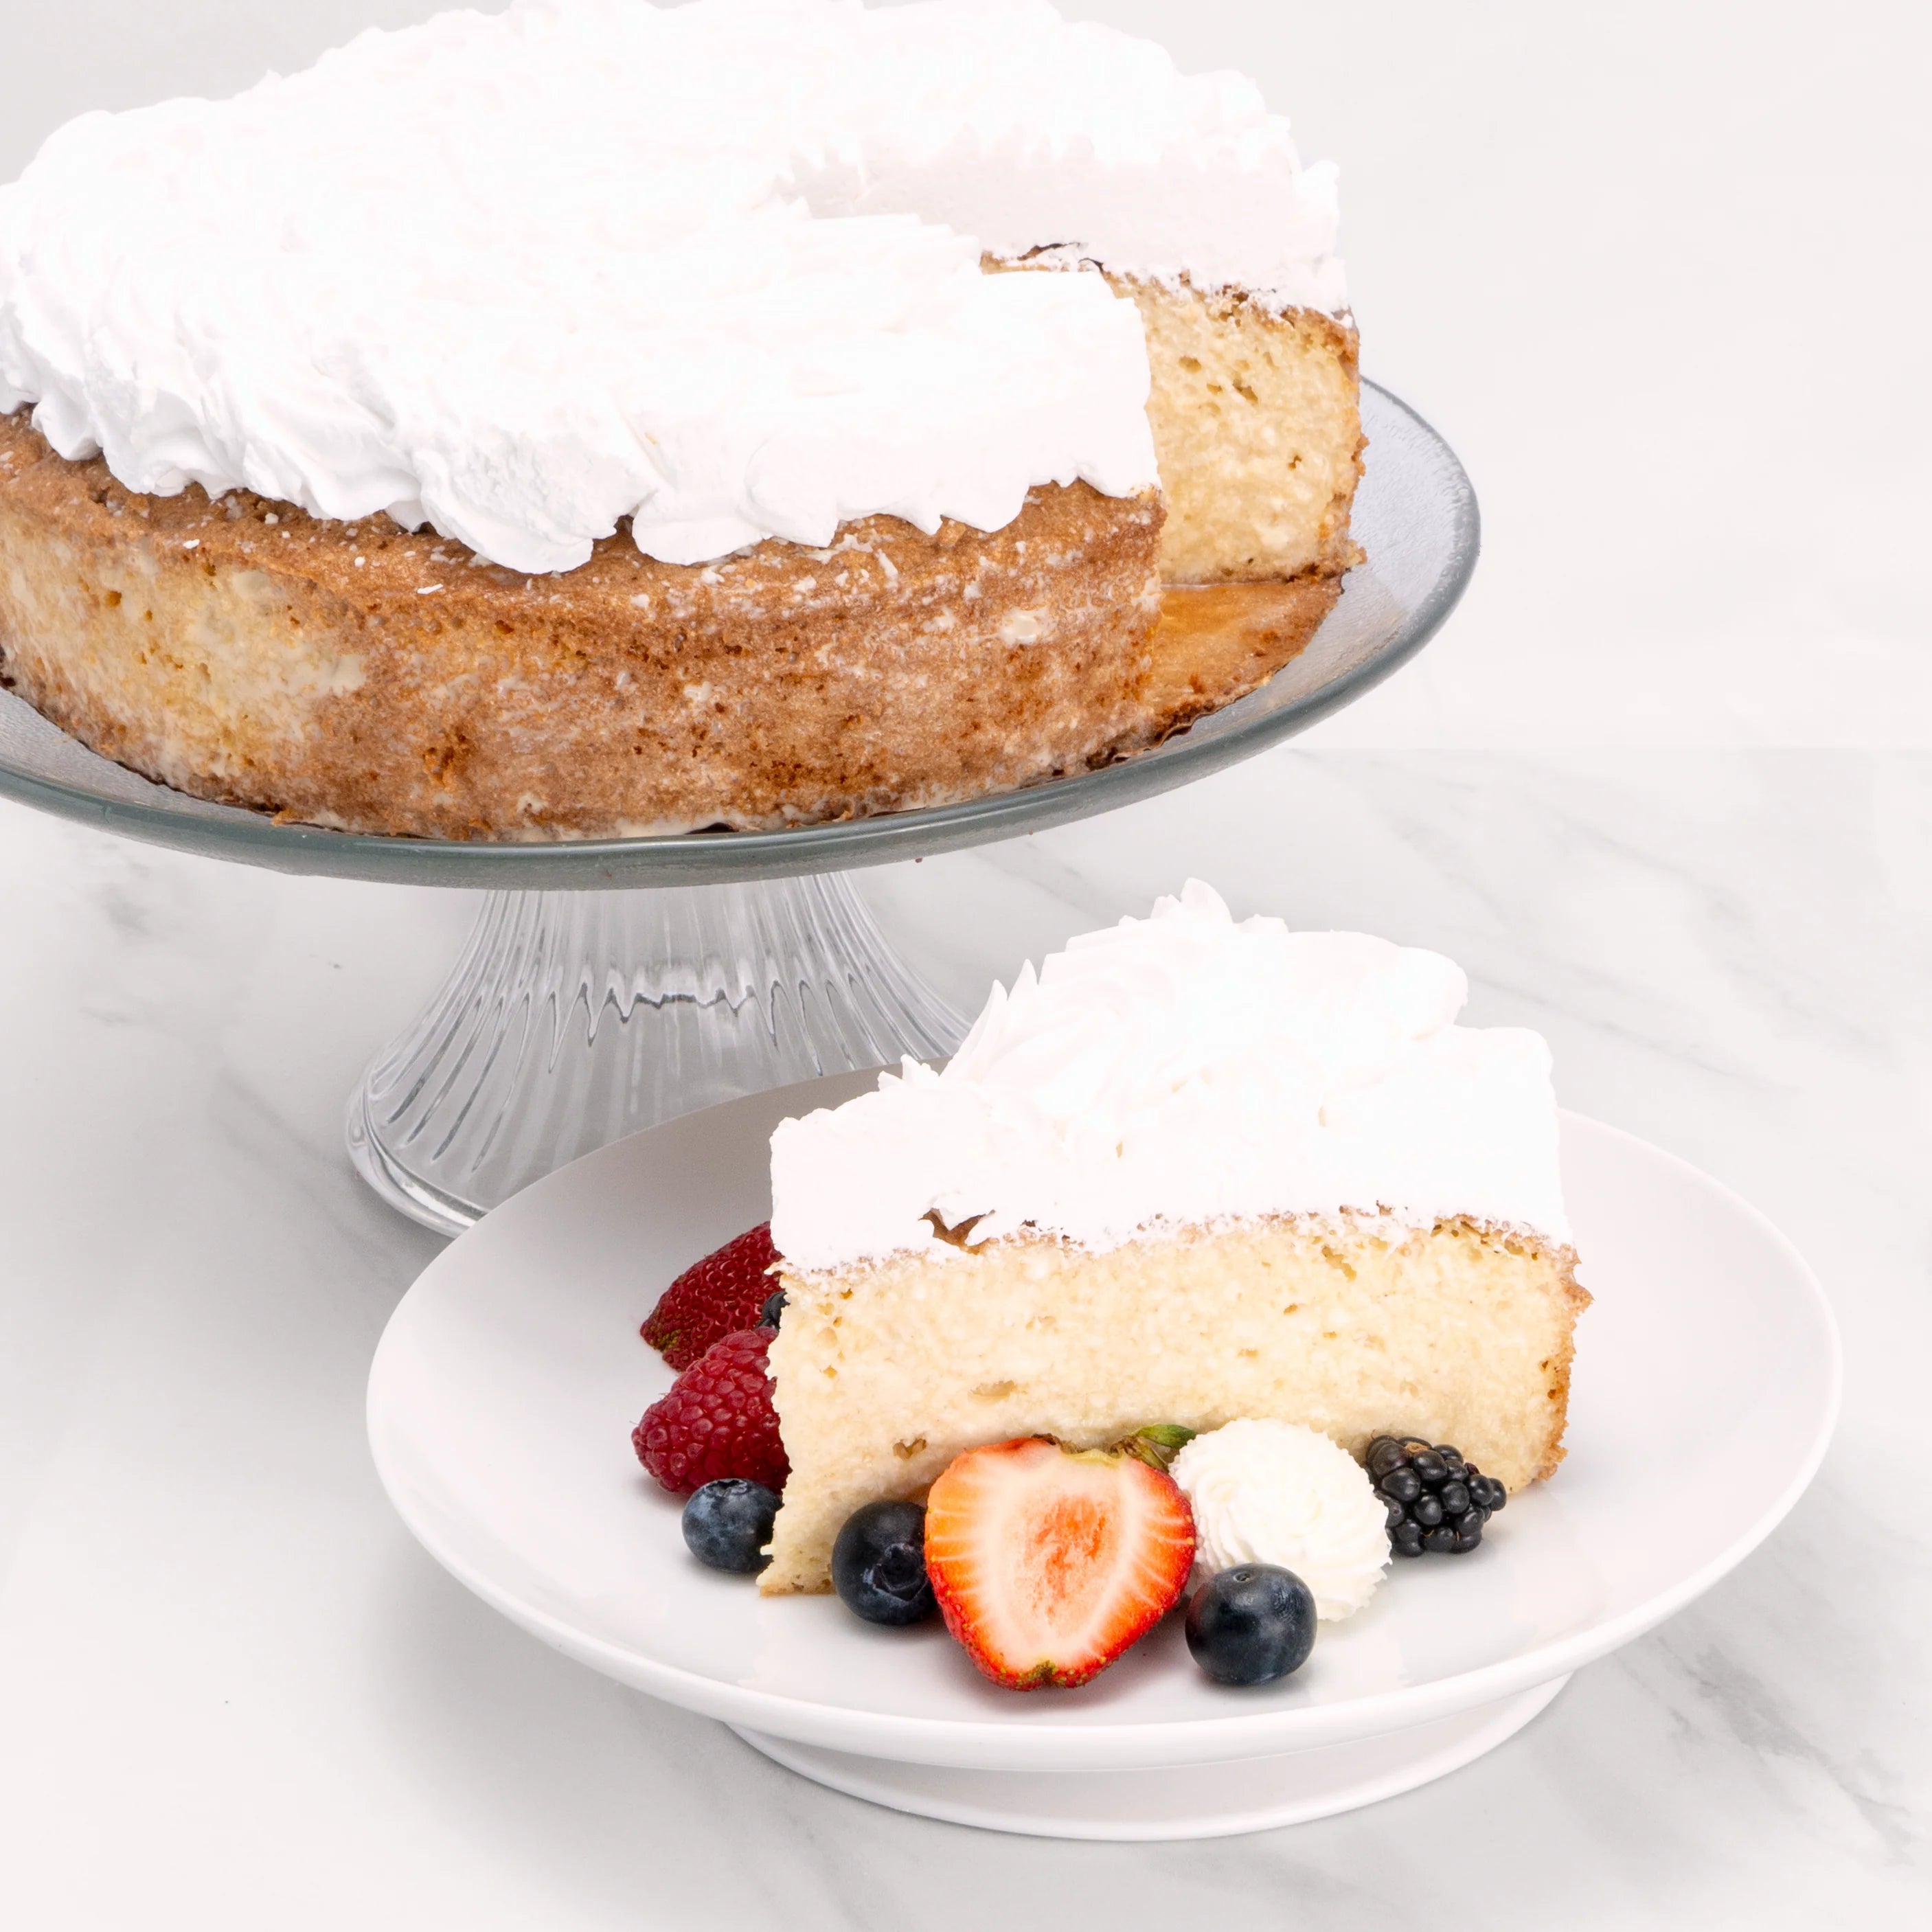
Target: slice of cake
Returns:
[[1192, 1171], [691, 465]]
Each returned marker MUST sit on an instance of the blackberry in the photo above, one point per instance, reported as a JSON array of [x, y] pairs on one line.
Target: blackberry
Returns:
[[1438, 1502]]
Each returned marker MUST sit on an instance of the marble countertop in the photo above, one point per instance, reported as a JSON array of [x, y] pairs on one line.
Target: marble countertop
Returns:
[[1658, 274], [228, 1677]]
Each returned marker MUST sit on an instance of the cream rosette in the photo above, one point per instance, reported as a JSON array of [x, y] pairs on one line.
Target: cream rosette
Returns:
[[1276, 1492]]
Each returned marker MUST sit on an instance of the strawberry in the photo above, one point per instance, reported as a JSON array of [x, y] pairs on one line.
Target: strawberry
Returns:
[[1048, 1562], [717, 1420], [712, 1298]]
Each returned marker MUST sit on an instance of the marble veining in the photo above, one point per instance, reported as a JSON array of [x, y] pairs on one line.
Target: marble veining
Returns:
[[220, 1655]]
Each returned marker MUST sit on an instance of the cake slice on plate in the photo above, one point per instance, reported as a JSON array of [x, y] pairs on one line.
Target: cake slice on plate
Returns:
[[1192, 1171]]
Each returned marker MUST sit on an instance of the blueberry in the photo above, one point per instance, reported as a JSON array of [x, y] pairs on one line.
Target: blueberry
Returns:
[[775, 1306], [727, 1523], [878, 1563], [1251, 1624]]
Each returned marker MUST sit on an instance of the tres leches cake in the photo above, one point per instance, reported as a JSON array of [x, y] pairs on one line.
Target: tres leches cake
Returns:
[[1193, 1174], [599, 419]]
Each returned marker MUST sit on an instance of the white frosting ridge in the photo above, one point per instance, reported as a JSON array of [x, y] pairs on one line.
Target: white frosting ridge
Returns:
[[1006, 122], [714, 268], [1184, 1069], [1267, 1492]]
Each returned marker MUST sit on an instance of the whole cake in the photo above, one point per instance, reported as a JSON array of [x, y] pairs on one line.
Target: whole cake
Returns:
[[599, 419], [1193, 1173]]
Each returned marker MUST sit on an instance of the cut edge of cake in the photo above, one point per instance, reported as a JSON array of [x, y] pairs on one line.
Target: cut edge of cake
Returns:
[[883, 1371], [1257, 422]]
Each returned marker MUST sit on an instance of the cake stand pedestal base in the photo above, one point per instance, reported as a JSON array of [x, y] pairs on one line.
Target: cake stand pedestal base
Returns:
[[1200, 1800], [573, 1018]]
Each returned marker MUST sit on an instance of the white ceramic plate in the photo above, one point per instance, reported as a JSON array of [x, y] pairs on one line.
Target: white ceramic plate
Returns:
[[502, 1396]]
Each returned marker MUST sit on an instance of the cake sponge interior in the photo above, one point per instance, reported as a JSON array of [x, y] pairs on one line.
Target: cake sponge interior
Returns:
[[884, 1372]]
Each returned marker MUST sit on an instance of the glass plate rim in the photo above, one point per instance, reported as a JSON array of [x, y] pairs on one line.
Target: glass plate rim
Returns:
[[709, 858]]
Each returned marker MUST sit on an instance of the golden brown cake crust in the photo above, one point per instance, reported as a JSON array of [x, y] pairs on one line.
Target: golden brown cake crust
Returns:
[[1576, 1299], [366, 677], [363, 676]]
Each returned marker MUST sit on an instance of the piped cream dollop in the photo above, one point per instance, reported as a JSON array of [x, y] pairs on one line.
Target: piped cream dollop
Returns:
[[1268, 1492], [713, 268], [1182, 1070]]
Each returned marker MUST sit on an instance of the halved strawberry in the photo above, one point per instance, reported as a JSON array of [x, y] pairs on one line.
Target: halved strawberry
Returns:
[[1048, 1563]]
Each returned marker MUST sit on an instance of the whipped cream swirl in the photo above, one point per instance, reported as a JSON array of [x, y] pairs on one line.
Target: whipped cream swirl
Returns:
[[1268, 1492], [714, 268], [1181, 1069]]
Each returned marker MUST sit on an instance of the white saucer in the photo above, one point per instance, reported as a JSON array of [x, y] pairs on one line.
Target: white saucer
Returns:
[[1194, 1801], [502, 1395]]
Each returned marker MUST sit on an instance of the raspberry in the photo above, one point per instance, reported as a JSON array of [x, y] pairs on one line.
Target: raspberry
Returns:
[[712, 1298], [717, 1420]]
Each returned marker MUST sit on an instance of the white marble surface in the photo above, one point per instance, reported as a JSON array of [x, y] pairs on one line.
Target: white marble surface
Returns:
[[228, 1678]]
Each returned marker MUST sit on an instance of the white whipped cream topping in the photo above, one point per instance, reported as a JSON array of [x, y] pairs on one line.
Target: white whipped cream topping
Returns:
[[1267, 1492], [1006, 122], [713, 268], [1180, 1070]]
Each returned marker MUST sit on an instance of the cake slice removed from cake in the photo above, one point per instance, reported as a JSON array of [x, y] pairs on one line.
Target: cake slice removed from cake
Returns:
[[1192, 1171]]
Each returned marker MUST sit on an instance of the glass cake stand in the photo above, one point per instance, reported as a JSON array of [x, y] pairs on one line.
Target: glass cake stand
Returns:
[[612, 984]]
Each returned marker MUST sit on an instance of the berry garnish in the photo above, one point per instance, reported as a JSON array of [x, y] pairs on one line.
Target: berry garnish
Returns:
[[1048, 1562], [1156, 1445], [1438, 1502], [878, 1563], [717, 1420], [1251, 1624], [727, 1523], [724, 1292], [775, 1306]]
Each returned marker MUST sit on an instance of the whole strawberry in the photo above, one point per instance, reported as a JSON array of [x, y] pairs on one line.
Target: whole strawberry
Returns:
[[712, 1298], [717, 1420]]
